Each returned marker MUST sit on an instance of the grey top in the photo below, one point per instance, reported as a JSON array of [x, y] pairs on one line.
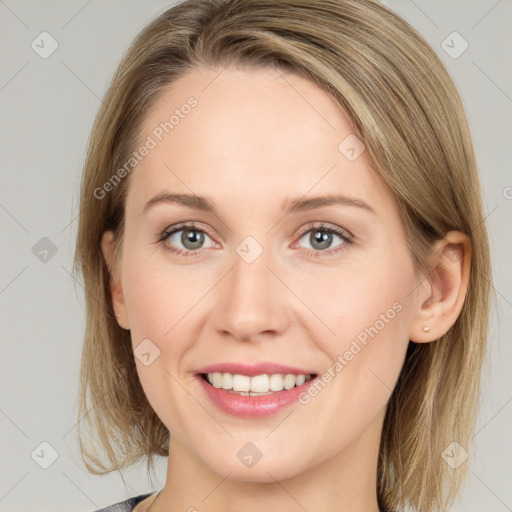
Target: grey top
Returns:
[[125, 506]]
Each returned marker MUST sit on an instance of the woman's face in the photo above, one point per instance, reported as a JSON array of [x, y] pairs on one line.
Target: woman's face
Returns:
[[263, 283]]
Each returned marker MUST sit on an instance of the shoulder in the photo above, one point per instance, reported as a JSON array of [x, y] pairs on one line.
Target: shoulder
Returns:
[[124, 506]]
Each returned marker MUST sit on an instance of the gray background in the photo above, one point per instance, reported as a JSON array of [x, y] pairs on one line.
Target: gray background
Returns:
[[47, 107]]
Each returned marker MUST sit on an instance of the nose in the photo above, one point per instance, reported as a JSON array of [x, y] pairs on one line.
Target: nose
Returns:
[[252, 302]]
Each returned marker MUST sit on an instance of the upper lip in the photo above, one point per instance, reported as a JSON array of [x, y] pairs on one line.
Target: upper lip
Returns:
[[253, 369]]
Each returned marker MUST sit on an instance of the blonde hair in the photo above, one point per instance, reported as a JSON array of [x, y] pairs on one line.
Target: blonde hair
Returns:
[[406, 110]]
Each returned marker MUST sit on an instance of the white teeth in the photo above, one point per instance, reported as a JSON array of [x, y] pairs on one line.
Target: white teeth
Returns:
[[241, 383], [289, 381], [259, 384], [216, 380], [227, 381], [276, 382]]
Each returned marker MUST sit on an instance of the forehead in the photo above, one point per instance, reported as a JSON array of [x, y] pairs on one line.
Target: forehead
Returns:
[[251, 133]]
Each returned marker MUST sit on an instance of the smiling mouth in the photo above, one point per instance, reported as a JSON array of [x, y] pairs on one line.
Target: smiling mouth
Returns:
[[257, 385]]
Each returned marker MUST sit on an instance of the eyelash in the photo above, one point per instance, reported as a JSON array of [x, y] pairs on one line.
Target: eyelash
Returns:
[[347, 239]]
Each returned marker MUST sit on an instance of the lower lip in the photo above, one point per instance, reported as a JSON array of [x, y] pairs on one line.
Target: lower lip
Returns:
[[257, 406]]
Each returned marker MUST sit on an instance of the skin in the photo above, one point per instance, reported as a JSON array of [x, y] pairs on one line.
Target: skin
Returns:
[[257, 138]]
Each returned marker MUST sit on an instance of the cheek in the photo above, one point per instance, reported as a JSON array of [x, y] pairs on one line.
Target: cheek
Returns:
[[154, 298], [369, 310], [157, 311], [363, 302]]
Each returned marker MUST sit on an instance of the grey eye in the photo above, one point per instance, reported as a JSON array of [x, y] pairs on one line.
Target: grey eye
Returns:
[[190, 238], [321, 239]]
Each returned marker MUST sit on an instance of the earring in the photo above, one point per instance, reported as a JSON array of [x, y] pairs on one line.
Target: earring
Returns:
[[118, 316], [426, 328]]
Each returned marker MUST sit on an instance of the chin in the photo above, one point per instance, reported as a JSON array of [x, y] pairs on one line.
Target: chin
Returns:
[[246, 463]]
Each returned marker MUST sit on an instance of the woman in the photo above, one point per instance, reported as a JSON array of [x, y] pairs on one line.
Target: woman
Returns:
[[287, 270]]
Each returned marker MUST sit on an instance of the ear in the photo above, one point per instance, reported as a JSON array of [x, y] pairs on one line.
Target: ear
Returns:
[[116, 288], [441, 295]]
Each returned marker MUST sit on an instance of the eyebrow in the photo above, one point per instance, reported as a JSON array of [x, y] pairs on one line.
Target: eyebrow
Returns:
[[288, 206]]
